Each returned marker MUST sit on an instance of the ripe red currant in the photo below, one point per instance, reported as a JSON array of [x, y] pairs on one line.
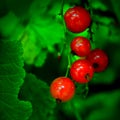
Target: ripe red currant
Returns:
[[81, 71], [99, 59], [62, 89], [77, 19], [80, 46]]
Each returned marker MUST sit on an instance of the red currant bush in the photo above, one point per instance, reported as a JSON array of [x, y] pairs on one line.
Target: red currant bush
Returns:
[[80, 46], [81, 71], [77, 19], [99, 60], [62, 89]]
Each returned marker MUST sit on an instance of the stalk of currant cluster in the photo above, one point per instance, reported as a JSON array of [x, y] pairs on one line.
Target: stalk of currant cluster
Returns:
[[65, 40], [77, 19]]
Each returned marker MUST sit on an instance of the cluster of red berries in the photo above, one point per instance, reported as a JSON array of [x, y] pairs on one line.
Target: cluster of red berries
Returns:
[[77, 19]]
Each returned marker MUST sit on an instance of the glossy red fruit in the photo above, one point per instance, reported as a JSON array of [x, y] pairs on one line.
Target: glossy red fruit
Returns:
[[77, 19], [80, 46], [62, 89], [81, 71], [99, 60]]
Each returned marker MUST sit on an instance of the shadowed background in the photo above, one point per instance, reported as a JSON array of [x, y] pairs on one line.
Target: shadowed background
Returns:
[[38, 25]]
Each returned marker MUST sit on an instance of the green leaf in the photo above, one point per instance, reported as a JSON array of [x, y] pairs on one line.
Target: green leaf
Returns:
[[40, 59], [38, 7], [48, 30], [37, 92], [30, 46], [22, 10], [106, 77], [100, 106], [33, 51], [40, 38], [8, 23], [116, 7], [103, 106], [11, 79]]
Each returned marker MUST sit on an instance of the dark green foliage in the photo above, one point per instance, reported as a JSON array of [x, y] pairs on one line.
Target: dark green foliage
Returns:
[[11, 79], [37, 92], [38, 24]]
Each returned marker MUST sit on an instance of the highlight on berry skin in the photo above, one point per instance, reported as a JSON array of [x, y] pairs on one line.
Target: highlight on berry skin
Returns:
[[62, 89]]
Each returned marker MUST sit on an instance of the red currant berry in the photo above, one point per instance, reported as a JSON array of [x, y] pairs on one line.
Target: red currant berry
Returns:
[[77, 19], [80, 46], [62, 89], [99, 59], [81, 71]]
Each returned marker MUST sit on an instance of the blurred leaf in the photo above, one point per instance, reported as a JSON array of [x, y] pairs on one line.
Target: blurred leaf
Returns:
[[20, 11], [40, 38], [116, 8], [101, 32], [30, 46], [98, 4], [8, 23], [48, 31], [37, 92], [106, 77], [40, 59], [11, 79], [39, 7], [3, 9], [102, 106]]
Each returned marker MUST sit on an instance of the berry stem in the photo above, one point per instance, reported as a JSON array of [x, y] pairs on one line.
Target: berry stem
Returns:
[[63, 40], [86, 90], [62, 6], [58, 101], [90, 27], [87, 76], [69, 64], [65, 45], [84, 3]]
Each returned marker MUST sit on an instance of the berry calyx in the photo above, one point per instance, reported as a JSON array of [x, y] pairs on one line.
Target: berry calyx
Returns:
[[62, 89], [81, 71], [80, 46], [77, 19], [98, 59]]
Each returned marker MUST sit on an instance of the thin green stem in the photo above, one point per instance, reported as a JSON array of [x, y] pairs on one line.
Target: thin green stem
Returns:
[[90, 28], [69, 64], [86, 90], [62, 6], [62, 15], [65, 45]]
